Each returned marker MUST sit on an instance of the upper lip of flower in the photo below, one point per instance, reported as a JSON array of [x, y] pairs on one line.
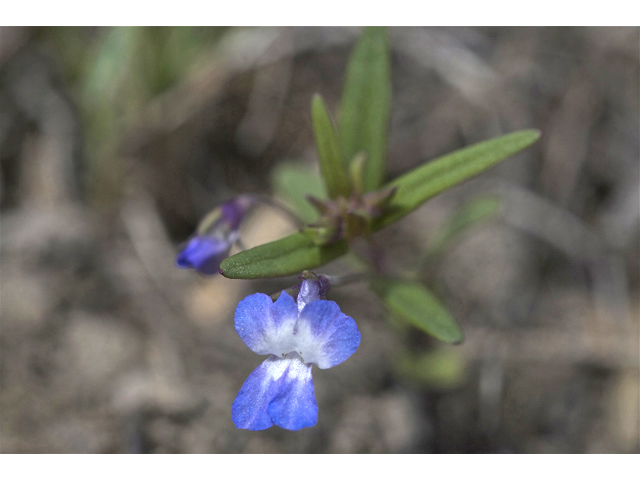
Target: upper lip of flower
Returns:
[[280, 390], [319, 332]]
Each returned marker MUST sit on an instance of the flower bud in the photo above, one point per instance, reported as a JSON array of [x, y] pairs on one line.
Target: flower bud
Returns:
[[215, 235]]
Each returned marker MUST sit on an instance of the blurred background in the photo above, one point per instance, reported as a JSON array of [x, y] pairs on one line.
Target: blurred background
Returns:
[[114, 142]]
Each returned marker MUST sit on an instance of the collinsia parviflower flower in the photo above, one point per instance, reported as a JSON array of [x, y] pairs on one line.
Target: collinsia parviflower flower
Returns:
[[295, 335], [217, 232]]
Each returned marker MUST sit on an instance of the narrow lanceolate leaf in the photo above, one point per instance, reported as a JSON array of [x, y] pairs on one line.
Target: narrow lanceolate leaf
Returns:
[[332, 163], [366, 100], [426, 181], [287, 256], [412, 302]]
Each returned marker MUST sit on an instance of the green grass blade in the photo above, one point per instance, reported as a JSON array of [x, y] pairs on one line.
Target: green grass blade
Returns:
[[332, 163], [366, 101], [426, 181]]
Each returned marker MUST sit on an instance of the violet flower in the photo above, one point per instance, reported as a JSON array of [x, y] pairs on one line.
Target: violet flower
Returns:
[[295, 336]]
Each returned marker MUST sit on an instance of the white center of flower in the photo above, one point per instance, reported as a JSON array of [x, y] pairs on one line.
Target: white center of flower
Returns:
[[292, 364]]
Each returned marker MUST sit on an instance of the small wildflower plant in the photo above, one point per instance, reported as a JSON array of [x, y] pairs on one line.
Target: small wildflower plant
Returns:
[[301, 327]]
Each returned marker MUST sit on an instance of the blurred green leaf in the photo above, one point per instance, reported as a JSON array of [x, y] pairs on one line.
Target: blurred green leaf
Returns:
[[366, 101], [171, 52], [287, 256], [294, 182], [112, 92], [469, 215], [356, 173], [439, 368], [332, 164], [415, 304], [426, 181], [109, 65]]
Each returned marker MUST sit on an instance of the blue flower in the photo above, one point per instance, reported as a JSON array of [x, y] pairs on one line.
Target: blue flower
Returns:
[[217, 232], [295, 335]]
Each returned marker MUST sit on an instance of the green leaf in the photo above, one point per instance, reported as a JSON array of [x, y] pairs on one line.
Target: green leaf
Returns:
[[287, 256], [294, 182], [109, 67], [332, 164], [426, 181], [466, 217], [356, 173], [366, 100], [415, 304], [442, 368]]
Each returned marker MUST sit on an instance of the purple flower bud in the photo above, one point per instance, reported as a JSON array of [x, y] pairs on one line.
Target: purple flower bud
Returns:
[[215, 235], [204, 254]]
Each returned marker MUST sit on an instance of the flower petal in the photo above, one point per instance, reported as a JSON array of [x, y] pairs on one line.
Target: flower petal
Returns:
[[250, 409], [279, 391], [204, 254], [295, 405], [325, 335], [266, 327]]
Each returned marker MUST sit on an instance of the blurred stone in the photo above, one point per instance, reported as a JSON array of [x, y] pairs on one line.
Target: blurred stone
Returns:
[[213, 301], [402, 423], [163, 435], [76, 435], [149, 391], [62, 237], [96, 349], [624, 411], [26, 301], [392, 423], [197, 439]]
